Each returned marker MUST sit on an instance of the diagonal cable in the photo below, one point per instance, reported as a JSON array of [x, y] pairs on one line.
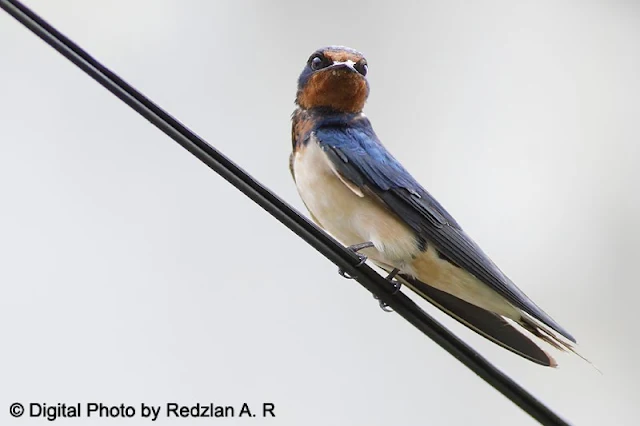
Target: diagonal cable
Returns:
[[286, 214]]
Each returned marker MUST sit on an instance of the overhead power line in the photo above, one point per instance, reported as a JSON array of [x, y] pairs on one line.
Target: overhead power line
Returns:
[[317, 238]]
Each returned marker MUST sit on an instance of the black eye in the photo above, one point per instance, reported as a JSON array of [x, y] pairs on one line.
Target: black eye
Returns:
[[361, 67], [318, 62]]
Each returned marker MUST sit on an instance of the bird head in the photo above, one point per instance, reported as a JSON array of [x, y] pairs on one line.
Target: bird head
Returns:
[[334, 78]]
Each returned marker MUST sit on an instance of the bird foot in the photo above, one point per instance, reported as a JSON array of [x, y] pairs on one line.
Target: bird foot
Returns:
[[397, 285], [356, 248]]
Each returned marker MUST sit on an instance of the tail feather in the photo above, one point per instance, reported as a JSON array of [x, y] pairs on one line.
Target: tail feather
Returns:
[[548, 336], [514, 336], [486, 323], [543, 335]]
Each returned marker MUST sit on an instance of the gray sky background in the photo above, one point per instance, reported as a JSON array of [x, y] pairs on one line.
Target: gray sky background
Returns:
[[132, 273]]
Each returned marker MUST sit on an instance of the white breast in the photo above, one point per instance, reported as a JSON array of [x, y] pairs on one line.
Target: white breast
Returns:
[[348, 214]]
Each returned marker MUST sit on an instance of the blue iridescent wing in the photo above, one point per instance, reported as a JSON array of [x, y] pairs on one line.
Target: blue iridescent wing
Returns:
[[358, 155]]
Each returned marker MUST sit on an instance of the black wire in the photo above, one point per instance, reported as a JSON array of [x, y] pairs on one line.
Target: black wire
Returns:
[[313, 235]]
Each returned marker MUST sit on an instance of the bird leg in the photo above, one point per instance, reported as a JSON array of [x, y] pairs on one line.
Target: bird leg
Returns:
[[396, 285], [356, 248]]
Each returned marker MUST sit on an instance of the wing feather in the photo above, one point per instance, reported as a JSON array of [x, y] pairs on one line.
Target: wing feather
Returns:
[[359, 158]]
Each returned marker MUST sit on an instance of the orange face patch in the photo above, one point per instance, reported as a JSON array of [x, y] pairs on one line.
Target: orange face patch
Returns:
[[340, 89]]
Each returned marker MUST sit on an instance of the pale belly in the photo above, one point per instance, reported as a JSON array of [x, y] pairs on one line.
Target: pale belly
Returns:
[[347, 214]]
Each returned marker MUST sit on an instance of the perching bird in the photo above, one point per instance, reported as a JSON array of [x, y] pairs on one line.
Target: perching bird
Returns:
[[357, 191]]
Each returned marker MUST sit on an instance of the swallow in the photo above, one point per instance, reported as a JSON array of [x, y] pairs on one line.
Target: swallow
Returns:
[[358, 192]]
